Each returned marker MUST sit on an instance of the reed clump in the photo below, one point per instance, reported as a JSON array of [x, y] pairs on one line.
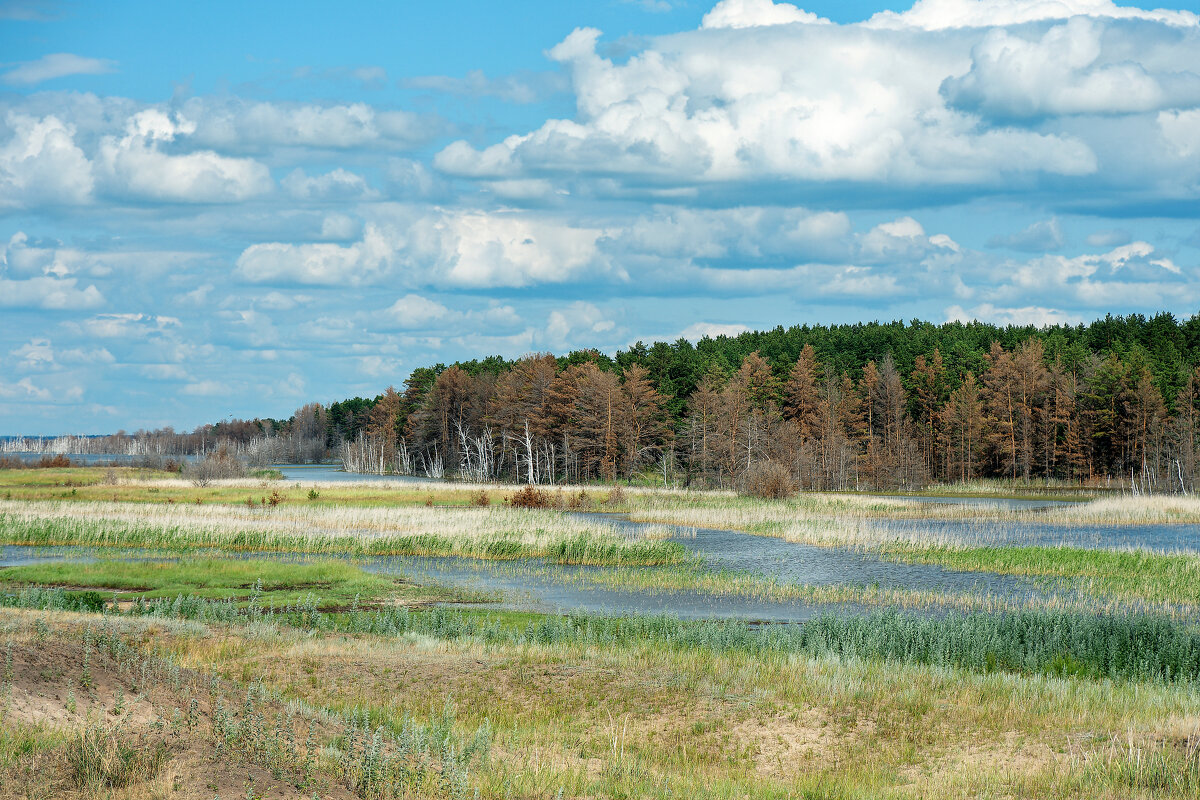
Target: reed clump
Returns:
[[769, 480], [493, 532]]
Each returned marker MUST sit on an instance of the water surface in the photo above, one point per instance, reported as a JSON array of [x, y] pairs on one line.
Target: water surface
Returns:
[[333, 473]]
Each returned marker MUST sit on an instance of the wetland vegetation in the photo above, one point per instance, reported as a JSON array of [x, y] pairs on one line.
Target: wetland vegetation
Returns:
[[369, 640]]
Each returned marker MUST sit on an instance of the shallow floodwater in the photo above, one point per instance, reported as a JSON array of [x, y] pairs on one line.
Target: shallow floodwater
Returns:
[[333, 473], [534, 585], [1167, 538], [541, 586], [1003, 503]]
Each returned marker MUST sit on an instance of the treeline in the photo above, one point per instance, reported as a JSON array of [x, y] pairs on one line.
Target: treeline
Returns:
[[876, 405], [867, 405], [303, 438]]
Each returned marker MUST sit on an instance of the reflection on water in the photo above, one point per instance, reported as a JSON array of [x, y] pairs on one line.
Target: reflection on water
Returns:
[[333, 473]]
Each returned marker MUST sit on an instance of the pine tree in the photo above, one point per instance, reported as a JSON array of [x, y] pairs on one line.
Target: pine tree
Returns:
[[802, 393], [644, 420]]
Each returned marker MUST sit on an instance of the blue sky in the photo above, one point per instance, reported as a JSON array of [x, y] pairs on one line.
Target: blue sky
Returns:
[[234, 208]]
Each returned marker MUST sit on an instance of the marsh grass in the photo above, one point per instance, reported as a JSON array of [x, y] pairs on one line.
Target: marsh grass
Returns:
[[240, 580], [1152, 577], [817, 517], [494, 532]]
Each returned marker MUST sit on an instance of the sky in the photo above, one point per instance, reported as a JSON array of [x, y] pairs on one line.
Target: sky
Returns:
[[231, 209]]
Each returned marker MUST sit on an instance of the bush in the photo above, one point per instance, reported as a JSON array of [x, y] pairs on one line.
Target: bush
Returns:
[[616, 497], [580, 502], [90, 600], [215, 466], [481, 500], [530, 497], [769, 480]]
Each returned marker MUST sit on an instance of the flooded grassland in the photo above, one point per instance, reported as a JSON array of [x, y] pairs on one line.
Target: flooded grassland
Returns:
[[370, 638]]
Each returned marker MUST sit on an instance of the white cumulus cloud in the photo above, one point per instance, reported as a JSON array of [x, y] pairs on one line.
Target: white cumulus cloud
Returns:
[[42, 165], [135, 164], [763, 103], [442, 248], [1080, 67], [754, 13], [49, 293], [939, 14]]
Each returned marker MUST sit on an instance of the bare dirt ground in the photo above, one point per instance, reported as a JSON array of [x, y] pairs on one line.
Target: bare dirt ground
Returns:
[[46, 693]]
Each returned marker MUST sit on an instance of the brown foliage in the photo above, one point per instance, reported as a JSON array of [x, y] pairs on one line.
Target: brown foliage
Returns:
[[580, 502], [769, 480], [616, 497], [481, 500], [215, 466], [531, 497], [45, 462]]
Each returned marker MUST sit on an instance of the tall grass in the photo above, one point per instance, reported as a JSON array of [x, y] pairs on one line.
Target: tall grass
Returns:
[[496, 533], [1111, 646], [100, 758], [1147, 576]]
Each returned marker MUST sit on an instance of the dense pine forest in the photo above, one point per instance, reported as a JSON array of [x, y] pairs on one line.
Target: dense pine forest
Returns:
[[868, 405], [879, 405]]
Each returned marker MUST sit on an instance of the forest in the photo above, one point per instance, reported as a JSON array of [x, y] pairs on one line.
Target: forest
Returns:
[[895, 405], [876, 405]]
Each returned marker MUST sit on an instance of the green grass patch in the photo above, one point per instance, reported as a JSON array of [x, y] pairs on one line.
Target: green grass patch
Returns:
[[336, 583], [266, 474], [1154, 577], [45, 480]]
